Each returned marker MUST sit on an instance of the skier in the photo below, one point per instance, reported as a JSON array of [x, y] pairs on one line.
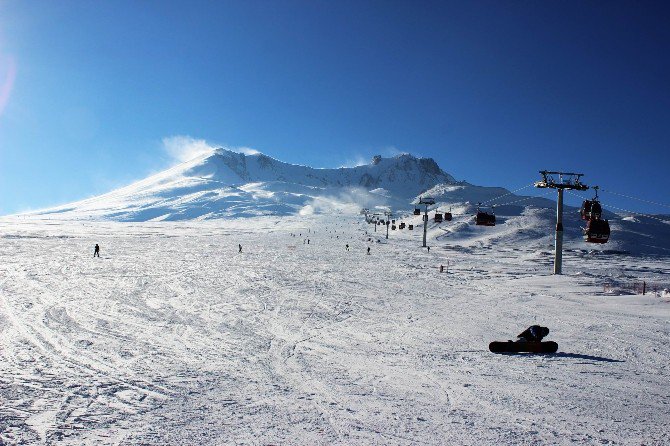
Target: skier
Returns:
[[368, 250], [240, 248], [347, 246], [96, 250], [428, 248], [534, 333]]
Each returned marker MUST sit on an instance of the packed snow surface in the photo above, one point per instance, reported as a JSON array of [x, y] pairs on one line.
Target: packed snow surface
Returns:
[[173, 337]]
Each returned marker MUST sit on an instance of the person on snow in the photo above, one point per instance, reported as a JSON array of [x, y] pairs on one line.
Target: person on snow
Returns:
[[368, 250], [96, 250], [240, 248], [534, 333], [347, 245]]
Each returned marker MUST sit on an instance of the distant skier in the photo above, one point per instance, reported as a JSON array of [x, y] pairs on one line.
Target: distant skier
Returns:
[[347, 246], [428, 248], [239, 247], [368, 250], [534, 333], [96, 250]]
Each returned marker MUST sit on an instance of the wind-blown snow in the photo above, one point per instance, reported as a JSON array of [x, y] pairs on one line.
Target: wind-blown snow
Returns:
[[173, 337]]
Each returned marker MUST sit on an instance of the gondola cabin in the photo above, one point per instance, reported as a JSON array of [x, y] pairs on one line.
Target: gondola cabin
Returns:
[[392, 227], [438, 217], [401, 226], [447, 216], [485, 219], [597, 231], [417, 211], [411, 227], [591, 209]]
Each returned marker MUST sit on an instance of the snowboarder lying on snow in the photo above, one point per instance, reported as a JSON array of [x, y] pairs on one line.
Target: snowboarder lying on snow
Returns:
[[534, 333]]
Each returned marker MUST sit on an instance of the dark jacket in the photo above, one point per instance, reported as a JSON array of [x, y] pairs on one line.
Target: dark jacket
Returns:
[[534, 333]]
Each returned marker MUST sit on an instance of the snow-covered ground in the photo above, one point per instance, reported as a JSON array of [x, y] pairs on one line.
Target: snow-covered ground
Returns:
[[173, 337]]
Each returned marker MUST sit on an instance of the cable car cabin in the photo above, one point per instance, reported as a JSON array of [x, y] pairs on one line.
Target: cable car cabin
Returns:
[[417, 211], [411, 227], [597, 231], [485, 219], [591, 209], [438, 218], [401, 226], [392, 222], [447, 216], [392, 227]]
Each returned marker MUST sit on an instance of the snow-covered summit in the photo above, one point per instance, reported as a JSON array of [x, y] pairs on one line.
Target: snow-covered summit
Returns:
[[224, 183], [403, 174]]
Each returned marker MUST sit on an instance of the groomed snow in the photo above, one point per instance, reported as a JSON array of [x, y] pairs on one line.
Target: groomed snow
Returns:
[[173, 337]]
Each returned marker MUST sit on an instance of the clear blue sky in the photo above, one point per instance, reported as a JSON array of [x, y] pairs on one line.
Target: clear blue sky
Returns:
[[492, 90]]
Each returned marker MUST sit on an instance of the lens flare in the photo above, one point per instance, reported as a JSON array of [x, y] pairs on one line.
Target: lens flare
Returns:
[[7, 77]]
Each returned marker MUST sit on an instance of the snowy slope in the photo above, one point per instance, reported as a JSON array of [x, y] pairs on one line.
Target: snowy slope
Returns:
[[173, 338]]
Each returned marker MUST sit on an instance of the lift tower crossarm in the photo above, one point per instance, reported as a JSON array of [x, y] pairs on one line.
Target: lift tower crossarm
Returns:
[[566, 180]]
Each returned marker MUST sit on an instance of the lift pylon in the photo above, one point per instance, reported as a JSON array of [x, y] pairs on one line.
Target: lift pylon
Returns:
[[560, 181]]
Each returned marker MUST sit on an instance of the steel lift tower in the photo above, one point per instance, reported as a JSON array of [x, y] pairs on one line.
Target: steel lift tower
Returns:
[[565, 181], [426, 201]]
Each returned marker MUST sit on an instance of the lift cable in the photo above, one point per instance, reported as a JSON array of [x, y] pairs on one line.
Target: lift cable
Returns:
[[635, 198], [509, 193], [524, 199]]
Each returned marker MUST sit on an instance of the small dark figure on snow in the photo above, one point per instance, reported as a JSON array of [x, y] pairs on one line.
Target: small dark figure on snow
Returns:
[[534, 333], [347, 246], [240, 247], [96, 250], [368, 250], [428, 248]]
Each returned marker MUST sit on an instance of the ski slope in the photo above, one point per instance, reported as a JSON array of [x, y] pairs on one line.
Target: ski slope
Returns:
[[173, 337]]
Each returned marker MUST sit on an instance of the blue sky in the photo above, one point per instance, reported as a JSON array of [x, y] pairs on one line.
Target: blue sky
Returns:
[[492, 90]]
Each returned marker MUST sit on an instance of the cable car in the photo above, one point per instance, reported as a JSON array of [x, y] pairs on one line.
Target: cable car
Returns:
[[402, 225], [447, 215], [484, 218], [591, 209], [438, 218], [411, 227], [597, 231], [392, 227], [417, 211]]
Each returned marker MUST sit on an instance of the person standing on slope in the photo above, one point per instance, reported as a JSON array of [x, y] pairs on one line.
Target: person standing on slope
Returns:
[[240, 248], [96, 250]]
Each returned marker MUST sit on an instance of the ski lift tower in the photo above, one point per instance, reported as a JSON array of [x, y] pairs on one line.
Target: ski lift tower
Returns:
[[388, 214], [565, 180], [426, 201]]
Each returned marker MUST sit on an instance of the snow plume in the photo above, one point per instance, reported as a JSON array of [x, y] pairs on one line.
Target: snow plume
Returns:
[[348, 202], [245, 150], [358, 160], [185, 148]]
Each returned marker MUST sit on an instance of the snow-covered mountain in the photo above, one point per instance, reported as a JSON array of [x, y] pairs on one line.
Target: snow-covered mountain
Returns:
[[226, 184], [230, 184]]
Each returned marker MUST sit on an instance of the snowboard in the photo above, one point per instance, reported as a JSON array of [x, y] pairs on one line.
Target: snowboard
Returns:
[[528, 347]]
